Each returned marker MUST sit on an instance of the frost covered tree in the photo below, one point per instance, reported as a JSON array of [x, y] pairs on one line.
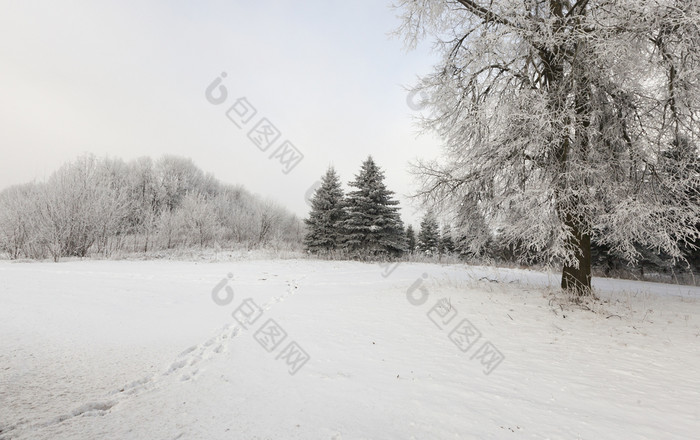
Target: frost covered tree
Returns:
[[429, 235], [101, 206], [197, 221], [373, 226], [18, 215], [81, 206], [326, 216], [556, 115], [146, 203], [471, 234]]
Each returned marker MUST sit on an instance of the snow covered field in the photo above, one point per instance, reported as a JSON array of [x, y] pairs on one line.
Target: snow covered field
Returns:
[[140, 350]]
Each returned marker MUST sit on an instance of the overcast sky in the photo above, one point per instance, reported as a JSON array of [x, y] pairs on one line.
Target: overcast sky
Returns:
[[128, 79]]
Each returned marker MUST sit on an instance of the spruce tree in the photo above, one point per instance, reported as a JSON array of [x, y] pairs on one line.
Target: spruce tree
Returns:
[[429, 235], [373, 227], [410, 239], [327, 215], [447, 244]]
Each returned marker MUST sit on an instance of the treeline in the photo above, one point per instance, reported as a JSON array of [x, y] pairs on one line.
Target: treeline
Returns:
[[101, 206], [365, 224], [472, 241]]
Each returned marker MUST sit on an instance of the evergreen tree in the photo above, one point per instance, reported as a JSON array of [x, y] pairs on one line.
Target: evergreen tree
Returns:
[[326, 215], [447, 244], [410, 239], [429, 235], [373, 226]]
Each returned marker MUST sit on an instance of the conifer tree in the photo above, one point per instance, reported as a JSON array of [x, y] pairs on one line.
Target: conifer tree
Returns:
[[447, 244], [429, 235], [373, 226], [410, 239], [327, 215]]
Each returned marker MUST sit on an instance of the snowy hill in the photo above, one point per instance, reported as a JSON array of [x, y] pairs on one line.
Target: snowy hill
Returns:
[[339, 350]]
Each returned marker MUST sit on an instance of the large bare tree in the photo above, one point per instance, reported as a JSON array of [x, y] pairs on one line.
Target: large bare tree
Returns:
[[565, 121]]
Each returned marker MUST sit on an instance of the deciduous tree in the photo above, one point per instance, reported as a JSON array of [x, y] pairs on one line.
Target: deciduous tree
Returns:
[[556, 115]]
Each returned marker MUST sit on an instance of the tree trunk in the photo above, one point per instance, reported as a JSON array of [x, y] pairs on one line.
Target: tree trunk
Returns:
[[578, 279]]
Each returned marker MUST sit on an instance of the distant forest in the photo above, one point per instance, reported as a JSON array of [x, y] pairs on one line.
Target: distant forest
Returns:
[[103, 207], [110, 208]]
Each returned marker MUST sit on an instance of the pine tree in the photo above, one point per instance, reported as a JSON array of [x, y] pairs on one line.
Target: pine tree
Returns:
[[373, 226], [447, 244], [429, 235], [410, 239], [326, 215]]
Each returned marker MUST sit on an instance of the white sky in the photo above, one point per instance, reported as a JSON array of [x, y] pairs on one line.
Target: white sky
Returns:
[[127, 79]]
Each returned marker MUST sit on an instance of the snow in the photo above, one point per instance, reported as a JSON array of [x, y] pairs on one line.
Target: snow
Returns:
[[140, 350]]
